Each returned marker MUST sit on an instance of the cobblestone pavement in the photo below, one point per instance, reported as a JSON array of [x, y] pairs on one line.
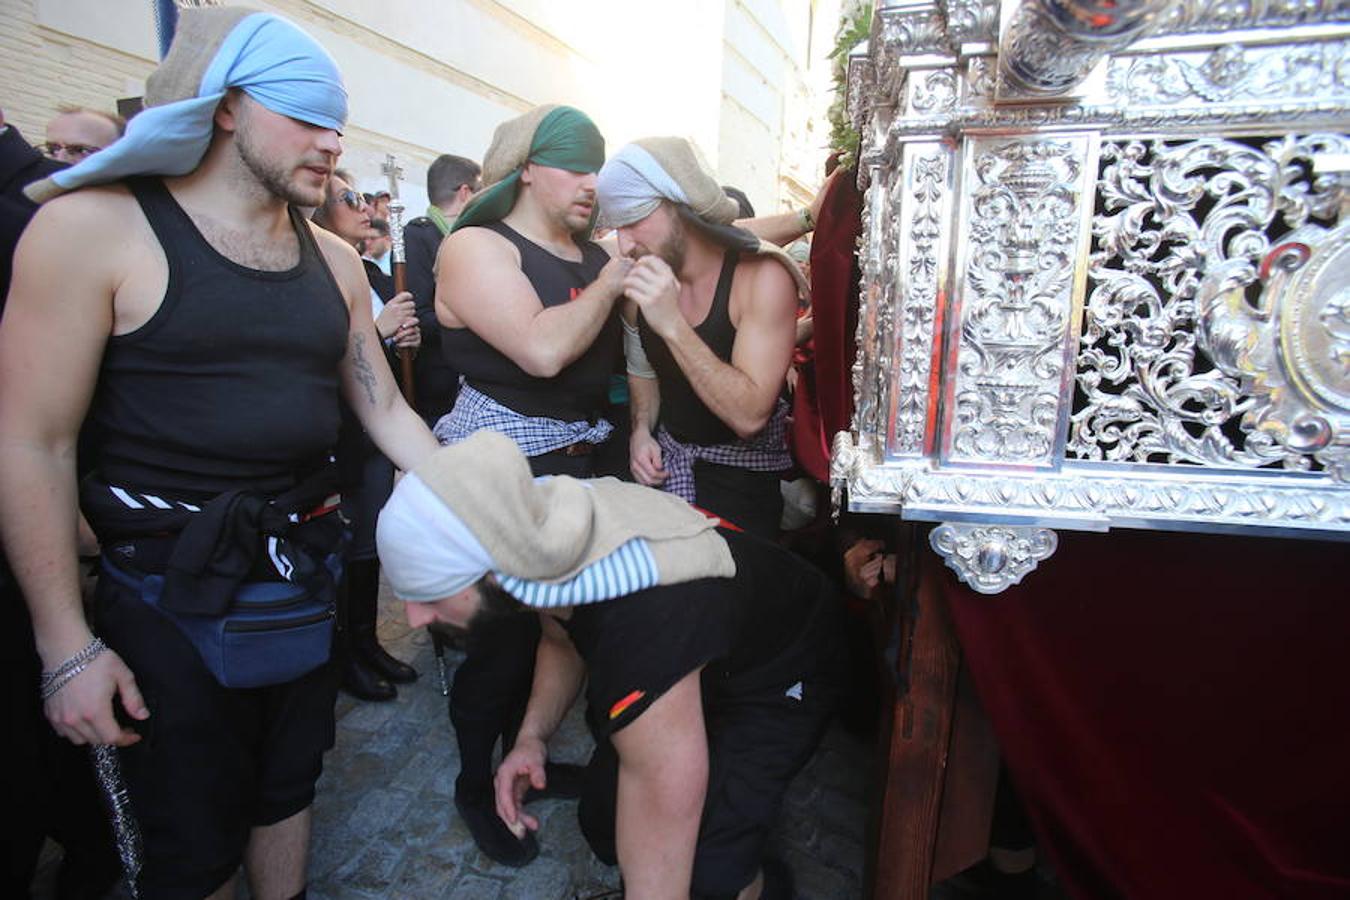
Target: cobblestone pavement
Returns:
[[385, 825]]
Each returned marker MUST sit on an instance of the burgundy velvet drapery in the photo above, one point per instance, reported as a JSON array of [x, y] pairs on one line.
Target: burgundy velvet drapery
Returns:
[[1175, 711], [823, 402]]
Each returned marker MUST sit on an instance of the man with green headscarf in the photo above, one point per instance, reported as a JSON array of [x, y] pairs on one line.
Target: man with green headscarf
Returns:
[[527, 308]]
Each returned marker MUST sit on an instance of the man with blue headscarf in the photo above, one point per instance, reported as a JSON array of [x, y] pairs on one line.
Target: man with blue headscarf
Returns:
[[202, 334], [526, 302]]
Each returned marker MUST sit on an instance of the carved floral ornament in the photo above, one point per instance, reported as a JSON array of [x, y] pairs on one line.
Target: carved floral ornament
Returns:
[[1232, 73]]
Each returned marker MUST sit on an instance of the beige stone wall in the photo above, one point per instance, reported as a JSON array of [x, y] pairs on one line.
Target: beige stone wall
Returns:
[[42, 68]]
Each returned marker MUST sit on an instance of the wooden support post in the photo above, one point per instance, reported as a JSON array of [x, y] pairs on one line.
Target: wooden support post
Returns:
[[939, 760]]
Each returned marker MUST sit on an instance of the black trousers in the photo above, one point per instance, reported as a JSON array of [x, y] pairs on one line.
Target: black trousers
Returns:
[[752, 501], [492, 684], [49, 782]]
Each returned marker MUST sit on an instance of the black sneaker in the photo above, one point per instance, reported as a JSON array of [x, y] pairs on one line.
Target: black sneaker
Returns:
[[562, 781], [492, 836]]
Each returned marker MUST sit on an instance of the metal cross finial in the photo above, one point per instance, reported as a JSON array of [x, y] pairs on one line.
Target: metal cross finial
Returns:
[[393, 172]]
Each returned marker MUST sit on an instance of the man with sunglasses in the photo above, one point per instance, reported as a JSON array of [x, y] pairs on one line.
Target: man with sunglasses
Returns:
[[77, 132], [526, 302], [451, 181]]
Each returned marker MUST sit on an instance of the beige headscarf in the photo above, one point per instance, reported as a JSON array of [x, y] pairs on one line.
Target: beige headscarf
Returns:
[[490, 514], [635, 181]]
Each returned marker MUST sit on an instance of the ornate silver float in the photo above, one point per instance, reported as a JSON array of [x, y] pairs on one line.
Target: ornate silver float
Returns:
[[1106, 272]]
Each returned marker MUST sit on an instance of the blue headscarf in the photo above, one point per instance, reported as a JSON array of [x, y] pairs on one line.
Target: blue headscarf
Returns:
[[270, 59]]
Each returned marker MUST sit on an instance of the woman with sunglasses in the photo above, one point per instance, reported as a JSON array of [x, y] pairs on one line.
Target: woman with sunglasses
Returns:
[[369, 672]]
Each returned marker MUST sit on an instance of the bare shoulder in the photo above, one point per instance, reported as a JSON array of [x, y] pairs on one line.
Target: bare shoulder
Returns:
[[768, 283], [101, 214], [335, 250], [97, 236], [343, 262]]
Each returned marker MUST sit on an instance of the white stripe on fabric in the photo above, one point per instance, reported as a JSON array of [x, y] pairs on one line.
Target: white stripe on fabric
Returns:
[[629, 569], [157, 502], [188, 506], [283, 565], [126, 498]]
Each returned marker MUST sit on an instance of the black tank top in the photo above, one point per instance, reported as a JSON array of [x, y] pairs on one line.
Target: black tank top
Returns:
[[580, 390], [233, 382], [682, 412]]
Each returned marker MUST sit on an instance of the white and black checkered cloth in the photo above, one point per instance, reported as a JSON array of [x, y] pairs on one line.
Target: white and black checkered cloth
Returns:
[[535, 435], [765, 452]]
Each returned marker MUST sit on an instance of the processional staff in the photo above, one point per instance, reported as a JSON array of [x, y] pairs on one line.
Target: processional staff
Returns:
[[398, 264]]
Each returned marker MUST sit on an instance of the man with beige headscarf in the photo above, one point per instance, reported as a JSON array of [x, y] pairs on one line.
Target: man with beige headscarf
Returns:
[[710, 316]]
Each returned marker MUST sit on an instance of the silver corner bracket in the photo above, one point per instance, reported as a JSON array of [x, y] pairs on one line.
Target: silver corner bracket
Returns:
[[992, 558]]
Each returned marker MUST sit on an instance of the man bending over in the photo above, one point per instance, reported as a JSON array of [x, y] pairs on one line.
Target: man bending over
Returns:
[[711, 658]]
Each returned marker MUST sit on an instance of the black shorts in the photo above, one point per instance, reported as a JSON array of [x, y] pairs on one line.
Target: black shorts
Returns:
[[771, 653], [213, 762], [757, 743]]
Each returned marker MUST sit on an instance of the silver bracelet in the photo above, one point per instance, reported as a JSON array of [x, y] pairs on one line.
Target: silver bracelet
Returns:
[[59, 677]]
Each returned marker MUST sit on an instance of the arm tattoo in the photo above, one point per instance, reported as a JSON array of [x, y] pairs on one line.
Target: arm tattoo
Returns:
[[361, 367]]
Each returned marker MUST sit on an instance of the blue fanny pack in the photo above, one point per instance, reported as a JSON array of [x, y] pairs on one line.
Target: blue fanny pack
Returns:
[[272, 632]]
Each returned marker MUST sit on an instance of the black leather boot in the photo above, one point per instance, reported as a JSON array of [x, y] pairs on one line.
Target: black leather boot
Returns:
[[364, 580], [360, 681]]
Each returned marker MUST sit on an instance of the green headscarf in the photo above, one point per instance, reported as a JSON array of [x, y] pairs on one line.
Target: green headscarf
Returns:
[[558, 136]]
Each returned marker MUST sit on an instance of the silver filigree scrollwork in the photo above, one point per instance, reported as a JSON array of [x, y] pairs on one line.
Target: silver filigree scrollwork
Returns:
[[1049, 46], [1178, 254], [1087, 497], [861, 87], [927, 193], [1192, 16], [902, 28], [992, 558], [971, 21], [981, 78], [886, 303], [912, 26], [1290, 352], [1232, 73], [1023, 234], [871, 258], [934, 92]]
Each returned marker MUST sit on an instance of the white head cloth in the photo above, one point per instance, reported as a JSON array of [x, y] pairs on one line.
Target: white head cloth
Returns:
[[631, 185], [425, 550]]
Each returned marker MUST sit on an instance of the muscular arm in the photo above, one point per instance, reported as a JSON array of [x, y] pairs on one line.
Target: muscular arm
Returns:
[[663, 779], [784, 228], [479, 285], [367, 384], [558, 672], [741, 393], [57, 321], [644, 404]]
